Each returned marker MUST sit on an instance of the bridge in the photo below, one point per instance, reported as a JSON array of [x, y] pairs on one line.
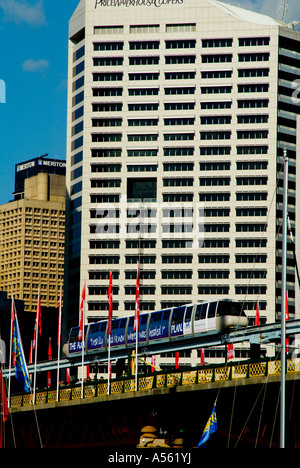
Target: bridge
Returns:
[[247, 395]]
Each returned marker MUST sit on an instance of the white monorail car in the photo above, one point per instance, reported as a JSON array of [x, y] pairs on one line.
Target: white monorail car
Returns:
[[184, 322]]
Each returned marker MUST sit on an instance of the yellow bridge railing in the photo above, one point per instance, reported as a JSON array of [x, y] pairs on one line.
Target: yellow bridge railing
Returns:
[[203, 375]]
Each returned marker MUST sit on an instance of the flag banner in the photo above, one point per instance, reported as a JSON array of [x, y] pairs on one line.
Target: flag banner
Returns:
[[137, 302], [21, 371], [153, 362], [68, 378], [110, 303], [210, 428], [257, 321], [202, 357], [80, 335], [230, 352], [177, 360]]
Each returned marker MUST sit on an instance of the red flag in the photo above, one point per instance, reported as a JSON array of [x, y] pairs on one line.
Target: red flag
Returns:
[[153, 363], [50, 359], [256, 322], [59, 317], [230, 353], [68, 378], [30, 353], [177, 360], [80, 335], [137, 302], [38, 323], [202, 357], [110, 303]]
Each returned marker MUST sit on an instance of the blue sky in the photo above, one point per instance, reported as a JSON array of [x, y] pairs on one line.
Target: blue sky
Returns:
[[34, 48], [34, 57]]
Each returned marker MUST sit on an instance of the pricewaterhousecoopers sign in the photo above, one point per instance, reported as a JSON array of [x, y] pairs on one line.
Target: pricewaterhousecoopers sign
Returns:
[[128, 3]]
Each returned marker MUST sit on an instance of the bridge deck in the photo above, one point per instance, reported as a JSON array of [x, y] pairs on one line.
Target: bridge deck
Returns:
[[241, 373]]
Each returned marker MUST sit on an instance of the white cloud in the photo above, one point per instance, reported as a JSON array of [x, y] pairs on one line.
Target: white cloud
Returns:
[[19, 11], [35, 66]]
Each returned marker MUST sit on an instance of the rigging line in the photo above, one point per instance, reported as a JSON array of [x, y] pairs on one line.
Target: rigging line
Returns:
[[260, 416], [265, 228], [274, 421], [38, 428], [244, 427], [292, 400], [231, 417], [261, 237], [276, 411], [294, 248]]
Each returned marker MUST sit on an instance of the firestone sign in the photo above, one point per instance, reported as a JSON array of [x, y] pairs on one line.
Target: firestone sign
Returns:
[[128, 3]]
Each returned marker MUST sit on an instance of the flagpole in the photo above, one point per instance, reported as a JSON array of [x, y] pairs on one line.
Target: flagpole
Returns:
[[137, 320], [81, 333], [136, 357], [82, 354], [37, 319], [109, 326], [283, 303], [108, 384], [59, 341], [10, 348]]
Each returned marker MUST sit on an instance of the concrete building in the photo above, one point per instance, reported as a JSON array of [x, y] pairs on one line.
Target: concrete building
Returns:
[[32, 234], [179, 112]]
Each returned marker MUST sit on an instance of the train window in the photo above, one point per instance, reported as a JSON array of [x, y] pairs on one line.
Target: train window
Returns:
[[143, 327], [131, 321], [230, 308], [201, 311], [212, 310], [123, 324], [177, 316], [177, 321], [165, 322], [96, 337], [74, 335], [115, 324], [143, 319], [94, 329], [188, 315], [155, 317], [154, 331], [166, 315]]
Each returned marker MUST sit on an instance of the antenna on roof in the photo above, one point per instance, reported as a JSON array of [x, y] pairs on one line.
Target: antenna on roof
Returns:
[[282, 9]]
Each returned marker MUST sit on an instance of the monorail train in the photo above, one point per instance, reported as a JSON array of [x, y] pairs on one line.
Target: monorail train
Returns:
[[186, 321]]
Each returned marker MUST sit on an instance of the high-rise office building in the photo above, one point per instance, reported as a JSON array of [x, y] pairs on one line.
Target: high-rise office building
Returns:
[[32, 234], [179, 114]]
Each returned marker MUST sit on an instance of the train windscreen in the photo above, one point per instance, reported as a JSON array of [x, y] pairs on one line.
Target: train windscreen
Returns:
[[230, 308]]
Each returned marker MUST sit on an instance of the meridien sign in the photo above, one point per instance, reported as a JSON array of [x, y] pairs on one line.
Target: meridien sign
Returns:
[[128, 3]]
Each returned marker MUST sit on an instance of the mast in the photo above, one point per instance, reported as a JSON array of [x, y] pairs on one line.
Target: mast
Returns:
[[283, 301]]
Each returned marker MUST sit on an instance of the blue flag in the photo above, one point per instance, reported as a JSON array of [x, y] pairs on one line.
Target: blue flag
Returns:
[[21, 371], [210, 428]]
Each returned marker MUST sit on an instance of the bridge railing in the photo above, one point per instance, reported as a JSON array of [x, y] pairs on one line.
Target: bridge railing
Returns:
[[147, 382]]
